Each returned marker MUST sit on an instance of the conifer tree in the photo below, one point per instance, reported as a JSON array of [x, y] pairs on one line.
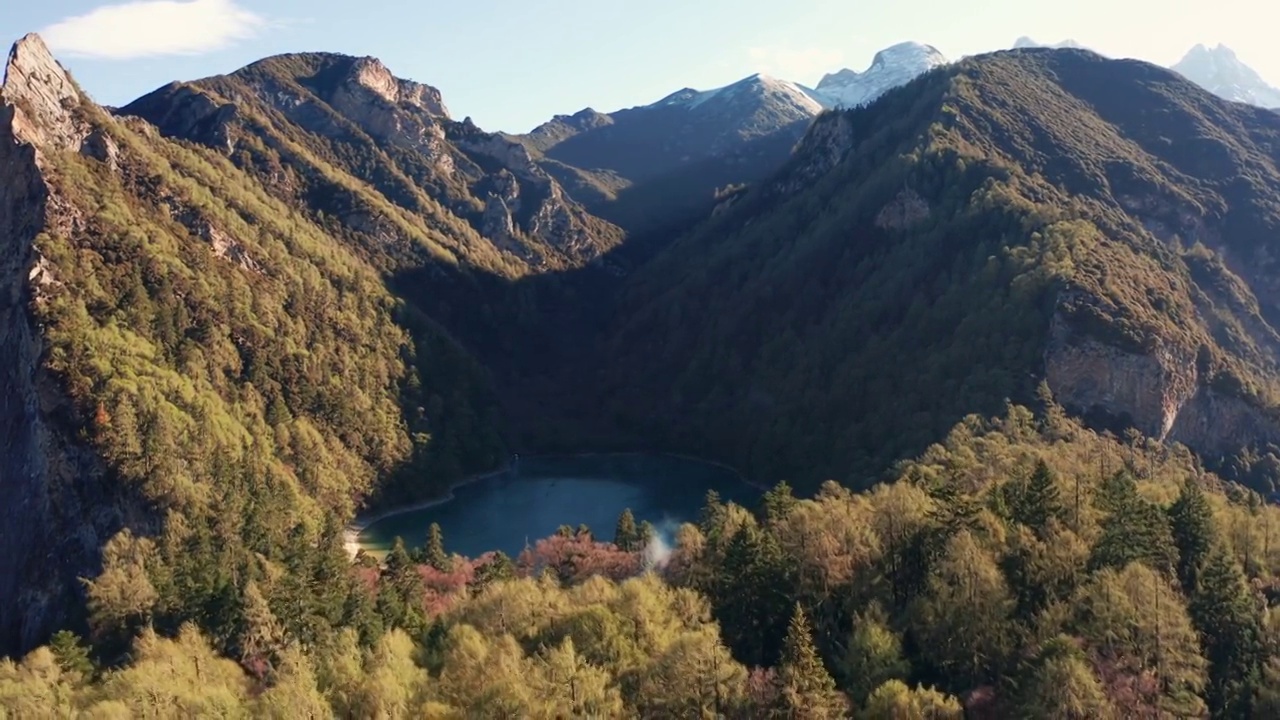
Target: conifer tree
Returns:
[[777, 503], [806, 689], [400, 591], [626, 535], [1192, 523], [1037, 499], [72, 655], [1231, 627], [645, 535], [711, 519], [1136, 531], [500, 567], [435, 555]]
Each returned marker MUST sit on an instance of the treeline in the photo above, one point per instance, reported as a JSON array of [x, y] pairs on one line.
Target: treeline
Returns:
[[1024, 567]]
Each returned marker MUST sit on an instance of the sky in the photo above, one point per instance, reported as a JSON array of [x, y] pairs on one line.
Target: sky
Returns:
[[512, 64]]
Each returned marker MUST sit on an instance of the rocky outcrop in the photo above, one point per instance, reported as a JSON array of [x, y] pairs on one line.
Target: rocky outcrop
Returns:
[[906, 210], [56, 507], [368, 76], [827, 143], [509, 153], [1160, 392], [183, 110]]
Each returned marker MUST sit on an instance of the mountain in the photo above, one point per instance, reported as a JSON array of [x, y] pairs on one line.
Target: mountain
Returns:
[[1026, 42], [1219, 71], [1110, 233], [395, 133], [672, 158], [669, 157], [238, 309], [891, 67]]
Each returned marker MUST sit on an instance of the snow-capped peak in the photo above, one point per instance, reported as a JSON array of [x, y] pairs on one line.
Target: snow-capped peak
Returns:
[[893, 66], [1026, 42], [801, 98], [1219, 71]]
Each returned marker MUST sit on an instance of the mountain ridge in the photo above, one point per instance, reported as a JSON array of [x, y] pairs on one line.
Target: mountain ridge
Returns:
[[982, 127]]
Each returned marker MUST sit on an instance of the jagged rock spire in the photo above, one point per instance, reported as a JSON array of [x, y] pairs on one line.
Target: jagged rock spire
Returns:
[[38, 95]]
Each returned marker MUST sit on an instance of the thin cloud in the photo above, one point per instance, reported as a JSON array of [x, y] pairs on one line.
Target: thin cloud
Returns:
[[793, 63], [150, 28]]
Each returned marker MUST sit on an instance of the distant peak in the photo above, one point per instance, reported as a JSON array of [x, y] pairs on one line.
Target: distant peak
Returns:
[[1025, 42], [903, 50], [891, 67]]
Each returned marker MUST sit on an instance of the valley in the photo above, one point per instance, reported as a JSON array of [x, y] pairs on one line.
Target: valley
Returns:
[[978, 359]]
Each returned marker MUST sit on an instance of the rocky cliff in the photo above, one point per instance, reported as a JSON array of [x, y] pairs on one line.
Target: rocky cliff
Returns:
[[394, 134], [57, 507]]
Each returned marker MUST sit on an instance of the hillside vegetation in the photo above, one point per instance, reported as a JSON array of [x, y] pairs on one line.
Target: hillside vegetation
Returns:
[[259, 302], [954, 244], [1020, 568]]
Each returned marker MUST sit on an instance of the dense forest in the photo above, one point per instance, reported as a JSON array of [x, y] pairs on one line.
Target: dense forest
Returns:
[[1023, 567]]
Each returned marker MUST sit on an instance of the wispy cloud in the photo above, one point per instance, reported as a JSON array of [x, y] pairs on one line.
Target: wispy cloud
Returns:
[[149, 28], [795, 63]]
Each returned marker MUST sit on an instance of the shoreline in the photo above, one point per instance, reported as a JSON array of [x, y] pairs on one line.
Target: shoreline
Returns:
[[351, 535]]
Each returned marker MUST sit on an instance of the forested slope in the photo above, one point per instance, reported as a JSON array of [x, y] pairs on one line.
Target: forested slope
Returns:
[[205, 374], [1104, 225], [1020, 568]]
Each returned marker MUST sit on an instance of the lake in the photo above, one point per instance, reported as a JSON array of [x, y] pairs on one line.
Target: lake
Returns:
[[504, 511]]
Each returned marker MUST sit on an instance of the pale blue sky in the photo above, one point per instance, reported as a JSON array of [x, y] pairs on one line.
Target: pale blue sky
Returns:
[[511, 64]]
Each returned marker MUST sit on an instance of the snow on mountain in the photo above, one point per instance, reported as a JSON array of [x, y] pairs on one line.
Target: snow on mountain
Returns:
[[751, 90], [1026, 42], [1219, 71], [895, 65]]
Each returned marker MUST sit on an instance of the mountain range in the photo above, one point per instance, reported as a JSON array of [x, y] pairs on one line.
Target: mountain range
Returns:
[[241, 308], [1215, 69]]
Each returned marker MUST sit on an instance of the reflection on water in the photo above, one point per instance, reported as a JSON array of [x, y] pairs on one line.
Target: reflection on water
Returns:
[[505, 511]]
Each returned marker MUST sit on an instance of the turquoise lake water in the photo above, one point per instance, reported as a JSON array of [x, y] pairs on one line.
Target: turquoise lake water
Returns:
[[505, 511]]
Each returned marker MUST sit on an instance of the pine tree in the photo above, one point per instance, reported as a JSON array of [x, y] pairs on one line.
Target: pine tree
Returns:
[[806, 689], [1037, 500], [1136, 531], [497, 569], [626, 536], [777, 504], [711, 519], [72, 655], [435, 555], [1231, 626], [400, 591], [645, 535], [750, 597], [1192, 523]]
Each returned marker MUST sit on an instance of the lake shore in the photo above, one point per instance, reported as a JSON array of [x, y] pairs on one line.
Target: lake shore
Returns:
[[351, 536]]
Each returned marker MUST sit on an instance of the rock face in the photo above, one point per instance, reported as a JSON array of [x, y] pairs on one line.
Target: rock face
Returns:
[[407, 144], [1160, 393], [55, 509]]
